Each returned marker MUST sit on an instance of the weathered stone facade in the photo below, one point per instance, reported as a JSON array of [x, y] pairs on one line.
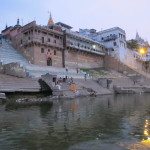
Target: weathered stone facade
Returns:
[[81, 59], [40, 45], [53, 46]]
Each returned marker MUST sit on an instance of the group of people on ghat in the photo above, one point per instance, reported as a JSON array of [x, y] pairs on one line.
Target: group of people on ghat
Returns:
[[65, 79]]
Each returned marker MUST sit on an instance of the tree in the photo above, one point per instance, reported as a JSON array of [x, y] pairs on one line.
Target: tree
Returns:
[[132, 44]]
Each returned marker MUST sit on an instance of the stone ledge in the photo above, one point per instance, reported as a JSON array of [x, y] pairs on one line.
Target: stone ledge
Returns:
[[2, 96]]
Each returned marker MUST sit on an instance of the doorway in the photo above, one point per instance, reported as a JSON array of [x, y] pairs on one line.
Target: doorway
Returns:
[[49, 61]]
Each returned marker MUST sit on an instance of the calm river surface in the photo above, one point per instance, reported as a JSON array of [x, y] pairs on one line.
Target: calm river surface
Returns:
[[118, 122]]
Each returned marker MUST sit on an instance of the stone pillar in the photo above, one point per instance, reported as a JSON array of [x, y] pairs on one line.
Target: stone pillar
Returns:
[[64, 47]]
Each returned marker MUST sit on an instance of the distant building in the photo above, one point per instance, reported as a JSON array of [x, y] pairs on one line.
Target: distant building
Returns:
[[10, 31], [142, 45], [141, 42], [114, 39]]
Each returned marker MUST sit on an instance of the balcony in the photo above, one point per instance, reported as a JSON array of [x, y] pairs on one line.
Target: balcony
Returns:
[[110, 38], [39, 41]]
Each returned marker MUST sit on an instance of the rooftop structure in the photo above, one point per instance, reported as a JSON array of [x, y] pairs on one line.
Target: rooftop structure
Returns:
[[63, 25], [50, 21]]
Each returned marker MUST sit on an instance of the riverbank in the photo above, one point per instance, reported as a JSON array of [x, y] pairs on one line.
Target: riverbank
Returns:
[[104, 82]]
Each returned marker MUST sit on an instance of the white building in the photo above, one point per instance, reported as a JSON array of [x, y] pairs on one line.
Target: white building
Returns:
[[114, 39]]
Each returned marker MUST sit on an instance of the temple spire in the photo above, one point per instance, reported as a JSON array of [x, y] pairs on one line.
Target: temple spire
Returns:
[[137, 37], [50, 21], [18, 21]]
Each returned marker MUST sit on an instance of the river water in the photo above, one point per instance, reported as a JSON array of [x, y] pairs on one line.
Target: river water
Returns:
[[112, 122]]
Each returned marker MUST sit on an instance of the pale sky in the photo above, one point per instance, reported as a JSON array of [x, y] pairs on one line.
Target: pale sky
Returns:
[[130, 15]]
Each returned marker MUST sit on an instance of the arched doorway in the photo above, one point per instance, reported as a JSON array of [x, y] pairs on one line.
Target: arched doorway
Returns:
[[49, 61]]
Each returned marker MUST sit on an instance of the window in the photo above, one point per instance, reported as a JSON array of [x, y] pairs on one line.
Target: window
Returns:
[[102, 38], [49, 40], [29, 38], [57, 37], [48, 50], [54, 41], [50, 34], [115, 44], [42, 39], [21, 41], [54, 52], [42, 50]]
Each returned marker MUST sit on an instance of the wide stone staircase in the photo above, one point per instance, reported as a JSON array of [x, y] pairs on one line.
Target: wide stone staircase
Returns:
[[8, 55], [14, 84]]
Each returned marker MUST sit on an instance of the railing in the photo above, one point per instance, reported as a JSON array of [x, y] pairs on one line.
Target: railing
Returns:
[[60, 45], [109, 38], [87, 50]]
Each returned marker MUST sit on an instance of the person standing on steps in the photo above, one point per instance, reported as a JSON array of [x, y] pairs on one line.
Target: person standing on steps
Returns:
[[67, 70], [85, 76], [77, 70]]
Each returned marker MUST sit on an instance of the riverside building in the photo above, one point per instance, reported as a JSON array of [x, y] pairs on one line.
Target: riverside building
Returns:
[[55, 45], [114, 39]]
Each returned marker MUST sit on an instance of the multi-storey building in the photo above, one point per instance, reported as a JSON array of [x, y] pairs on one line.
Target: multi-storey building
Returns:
[[55, 45], [113, 39]]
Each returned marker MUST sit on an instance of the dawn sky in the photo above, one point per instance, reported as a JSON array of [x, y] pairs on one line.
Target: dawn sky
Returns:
[[130, 15]]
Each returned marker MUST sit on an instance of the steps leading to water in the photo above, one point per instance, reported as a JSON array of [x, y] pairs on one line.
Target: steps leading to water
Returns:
[[14, 84], [8, 55]]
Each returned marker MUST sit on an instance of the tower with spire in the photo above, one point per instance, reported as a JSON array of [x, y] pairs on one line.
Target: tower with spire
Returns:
[[50, 21], [137, 37]]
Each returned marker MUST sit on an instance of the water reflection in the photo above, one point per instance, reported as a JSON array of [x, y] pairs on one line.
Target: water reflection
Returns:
[[119, 122]]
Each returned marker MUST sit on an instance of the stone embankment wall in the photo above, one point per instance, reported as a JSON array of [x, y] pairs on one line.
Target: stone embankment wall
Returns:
[[13, 69], [113, 63], [79, 59]]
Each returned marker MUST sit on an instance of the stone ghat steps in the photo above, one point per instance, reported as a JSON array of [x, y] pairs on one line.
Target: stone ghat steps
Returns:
[[11, 88], [38, 75], [26, 83], [91, 84], [8, 54], [20, 90], [132, 89], [47, 68], [14, 84]]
